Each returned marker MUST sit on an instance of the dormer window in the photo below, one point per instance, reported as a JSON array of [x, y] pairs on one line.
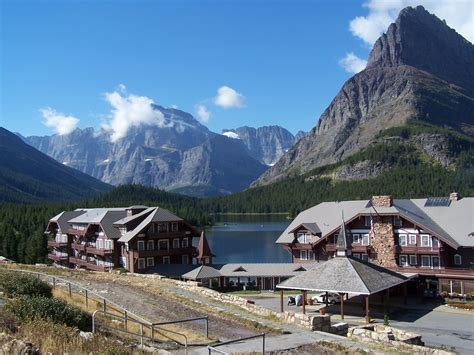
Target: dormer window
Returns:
[[303, 237], [457, 259]]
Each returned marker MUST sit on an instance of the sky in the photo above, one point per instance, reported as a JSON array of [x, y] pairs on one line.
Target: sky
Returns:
[[67, 64]]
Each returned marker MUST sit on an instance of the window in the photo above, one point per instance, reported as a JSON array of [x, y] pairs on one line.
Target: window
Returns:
[[163, 244], [303, 255], [412, 239], [397, 221], [425, 240], [425, 261], [402, 240], [310, 255], [184, 243], [176, 243], [150, 245], [367, 221], [365, 257], [435, 262], [163, 227], [457, 259], [303, 238], [166, 260], [365, 239], [141, 245], [356, 238], [356, 255], [434, 242], [403, 260], [141, 263], [185, 259], [174, 227], [413, 260], [150, 261]]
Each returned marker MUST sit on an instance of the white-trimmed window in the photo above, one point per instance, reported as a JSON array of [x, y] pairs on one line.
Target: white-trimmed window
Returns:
[[412, 239], [163, 227], [184, 243], [413, 260], [185, 259], [435, 262], [150, 245], [425, 261], [367, 221], [166, 260], [150, 261], [403, 260], [141, 263], [303, 255], [434, 242], [303, 238], [176, 243], [365, 239], [397, 221], [174, 227], [402, 240], [163, 244], [425, 240], [141, 245], [310, 255], [356, 239], [457, 259]]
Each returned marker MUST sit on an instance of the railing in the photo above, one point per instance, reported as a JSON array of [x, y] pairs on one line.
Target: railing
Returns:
[[78, 246], [212, 348], [57, 257], [54, 243], [148, 330], [98, 251], [156, 252]]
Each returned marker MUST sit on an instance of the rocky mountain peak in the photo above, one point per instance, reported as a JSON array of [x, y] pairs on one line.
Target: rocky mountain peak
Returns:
[[421, 40]]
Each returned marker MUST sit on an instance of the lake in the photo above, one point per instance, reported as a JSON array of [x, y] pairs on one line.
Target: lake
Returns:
[[247, 239]]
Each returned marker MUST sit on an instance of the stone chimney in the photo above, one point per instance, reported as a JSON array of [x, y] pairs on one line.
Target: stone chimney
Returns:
[[382, 201], [454, 196]]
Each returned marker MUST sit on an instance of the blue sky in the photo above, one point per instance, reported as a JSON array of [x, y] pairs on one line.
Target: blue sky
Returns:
[[278, 61]]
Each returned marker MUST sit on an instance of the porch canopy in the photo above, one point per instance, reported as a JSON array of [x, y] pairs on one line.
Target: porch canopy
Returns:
[[345, 275]]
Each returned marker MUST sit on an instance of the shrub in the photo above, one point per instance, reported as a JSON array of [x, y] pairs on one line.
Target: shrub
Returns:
[[15, 285], [7, 321], [29, 308], [386, 320]]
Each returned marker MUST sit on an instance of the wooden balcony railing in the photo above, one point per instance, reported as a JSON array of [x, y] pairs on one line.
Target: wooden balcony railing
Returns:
[[176, 251], [56, 257], [413, 249], [78, 246], [77, 261], [96, 251], [55, 244], [443, 271]]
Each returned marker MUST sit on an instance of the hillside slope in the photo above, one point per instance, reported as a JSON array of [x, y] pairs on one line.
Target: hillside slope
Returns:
[[420, 69], [27, 175]]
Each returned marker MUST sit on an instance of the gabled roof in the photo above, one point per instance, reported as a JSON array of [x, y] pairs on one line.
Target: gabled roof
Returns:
[[128, 219], [156, 215], [312, 227], [451, 223], [63, 218], [202, 272], [107, 223], [345, 275]]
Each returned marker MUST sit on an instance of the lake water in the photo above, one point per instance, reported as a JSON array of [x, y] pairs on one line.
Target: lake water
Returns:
[[247, 239]]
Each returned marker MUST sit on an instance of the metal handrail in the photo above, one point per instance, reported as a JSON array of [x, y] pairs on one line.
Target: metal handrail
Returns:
[[206, 318], [211, 348]]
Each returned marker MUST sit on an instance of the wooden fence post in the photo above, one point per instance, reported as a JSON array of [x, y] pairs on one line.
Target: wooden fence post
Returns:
[[70, 291]]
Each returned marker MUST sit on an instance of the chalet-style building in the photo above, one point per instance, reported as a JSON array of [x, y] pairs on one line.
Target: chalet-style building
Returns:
[[137, 238], [430, 237]]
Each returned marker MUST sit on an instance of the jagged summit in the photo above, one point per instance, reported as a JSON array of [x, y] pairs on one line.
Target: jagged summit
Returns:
[[421, 40]]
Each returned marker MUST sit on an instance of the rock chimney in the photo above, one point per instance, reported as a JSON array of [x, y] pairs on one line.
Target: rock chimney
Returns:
[[382, 201], [454, 196]]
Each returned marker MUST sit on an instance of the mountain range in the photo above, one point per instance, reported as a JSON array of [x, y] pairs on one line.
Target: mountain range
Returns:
[[183, 156], [420, 69], [27, 175]]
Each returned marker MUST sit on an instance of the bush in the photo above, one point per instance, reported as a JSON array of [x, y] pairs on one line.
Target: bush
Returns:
[[15, 285], [30, 308], [7, 321]]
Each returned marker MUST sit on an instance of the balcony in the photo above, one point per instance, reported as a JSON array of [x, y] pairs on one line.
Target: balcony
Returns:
[[77, 261], [55, 244], [78, 246], [96, 267], [56, 257], [166, 252], [96, 251], [358, 248], [76, 231], [440, 272], [330, 247], [414, 249]]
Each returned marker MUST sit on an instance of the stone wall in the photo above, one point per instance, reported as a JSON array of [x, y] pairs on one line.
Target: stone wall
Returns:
[[404, 341], [383, 242], [382, 201]]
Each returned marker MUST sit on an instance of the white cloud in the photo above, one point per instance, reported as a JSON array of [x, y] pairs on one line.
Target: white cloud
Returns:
[[130, 110], [457, 13], [203, 113], [60, 123], [352, 63], [228, 98]]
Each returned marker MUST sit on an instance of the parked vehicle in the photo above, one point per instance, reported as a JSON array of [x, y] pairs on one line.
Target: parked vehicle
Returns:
[[332, 298]]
